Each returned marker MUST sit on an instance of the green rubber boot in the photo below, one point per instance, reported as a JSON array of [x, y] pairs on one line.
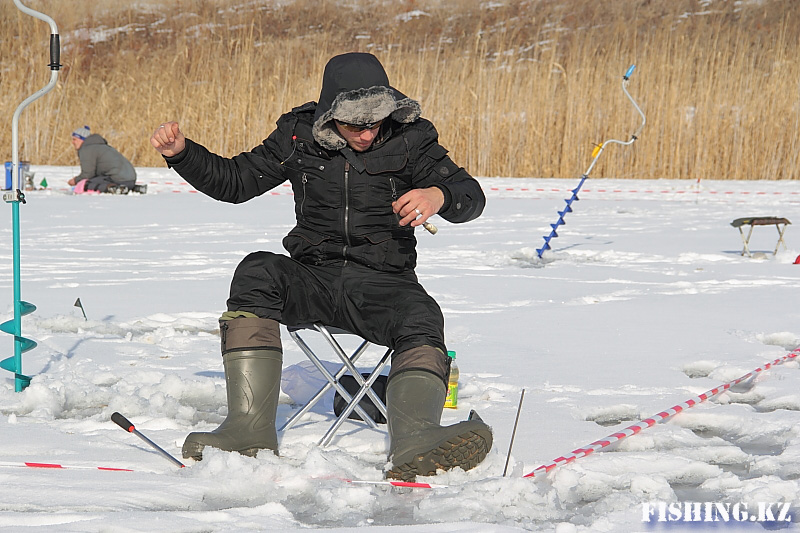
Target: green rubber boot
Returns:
[[252, 379], [418, 444]]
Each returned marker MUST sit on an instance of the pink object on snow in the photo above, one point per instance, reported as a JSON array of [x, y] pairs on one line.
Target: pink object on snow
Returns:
[[80, 188]]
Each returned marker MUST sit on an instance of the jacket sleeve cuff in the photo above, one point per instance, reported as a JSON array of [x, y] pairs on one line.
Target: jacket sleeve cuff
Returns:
[[178, 158], [448, 198]]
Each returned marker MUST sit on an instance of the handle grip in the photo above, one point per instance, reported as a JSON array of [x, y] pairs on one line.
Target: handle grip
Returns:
[[629, 72], [55, 52], [122, 422]]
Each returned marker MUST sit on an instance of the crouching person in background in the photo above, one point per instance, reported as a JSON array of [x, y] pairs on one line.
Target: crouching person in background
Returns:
[[103, 168]]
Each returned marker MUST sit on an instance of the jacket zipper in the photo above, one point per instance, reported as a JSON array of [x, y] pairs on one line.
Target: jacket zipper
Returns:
[[304, 179], [394, 199], [346, 209]]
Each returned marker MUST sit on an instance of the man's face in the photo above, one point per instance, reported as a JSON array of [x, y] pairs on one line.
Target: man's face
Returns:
[[358, 140], [76, 143]]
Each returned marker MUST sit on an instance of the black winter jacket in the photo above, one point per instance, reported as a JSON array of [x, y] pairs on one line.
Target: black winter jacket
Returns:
[[342, 198]]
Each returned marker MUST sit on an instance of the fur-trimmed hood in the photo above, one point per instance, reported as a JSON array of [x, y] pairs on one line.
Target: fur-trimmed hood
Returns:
[[356, 90]]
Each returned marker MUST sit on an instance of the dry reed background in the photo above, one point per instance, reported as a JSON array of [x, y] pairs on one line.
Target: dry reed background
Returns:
[[516, 88]]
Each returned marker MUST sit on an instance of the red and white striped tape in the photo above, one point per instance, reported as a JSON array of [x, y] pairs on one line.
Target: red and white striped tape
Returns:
[[180, 187], [647, 422], [645, 191], [107, 468], [277, 191], [285, 190], [409, 484], [57, 466]]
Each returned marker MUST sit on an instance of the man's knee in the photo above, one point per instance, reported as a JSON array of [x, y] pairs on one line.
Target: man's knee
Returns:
[[257, 264], [426, 358]]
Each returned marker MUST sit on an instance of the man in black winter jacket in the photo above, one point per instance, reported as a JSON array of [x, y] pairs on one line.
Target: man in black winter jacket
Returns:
[[366, 170]]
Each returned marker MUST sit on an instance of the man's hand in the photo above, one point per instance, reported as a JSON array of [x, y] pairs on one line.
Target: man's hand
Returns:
[[418, 205], [168, 139]]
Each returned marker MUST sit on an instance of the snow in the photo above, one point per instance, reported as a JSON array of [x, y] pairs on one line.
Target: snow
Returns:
[[644, 302]]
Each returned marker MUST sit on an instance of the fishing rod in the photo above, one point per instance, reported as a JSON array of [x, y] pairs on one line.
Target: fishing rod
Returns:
[[126, 424]]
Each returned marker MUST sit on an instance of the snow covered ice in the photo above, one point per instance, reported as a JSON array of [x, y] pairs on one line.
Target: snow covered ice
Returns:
[[644, 301]]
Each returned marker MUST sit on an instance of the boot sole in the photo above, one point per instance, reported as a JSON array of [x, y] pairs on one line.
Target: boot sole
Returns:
[[466, 451], [197, 455], [194, 450]]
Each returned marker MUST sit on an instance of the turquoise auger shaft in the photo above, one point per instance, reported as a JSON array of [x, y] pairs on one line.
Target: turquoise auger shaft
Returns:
[[595, 154], [15, 197]]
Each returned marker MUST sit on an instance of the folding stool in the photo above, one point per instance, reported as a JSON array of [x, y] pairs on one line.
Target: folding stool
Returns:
[[779, 223], [348, 365]]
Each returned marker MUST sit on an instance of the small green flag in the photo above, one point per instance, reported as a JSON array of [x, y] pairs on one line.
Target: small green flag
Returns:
[[43, 183]]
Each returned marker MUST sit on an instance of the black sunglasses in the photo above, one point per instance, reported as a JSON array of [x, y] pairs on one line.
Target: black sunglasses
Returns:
[[356, 128]]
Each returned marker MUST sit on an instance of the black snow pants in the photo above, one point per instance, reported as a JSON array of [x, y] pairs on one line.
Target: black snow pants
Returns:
[[387, 309]]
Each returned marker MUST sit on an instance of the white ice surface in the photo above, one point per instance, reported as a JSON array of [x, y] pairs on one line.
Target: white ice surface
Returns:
[[644, 302]]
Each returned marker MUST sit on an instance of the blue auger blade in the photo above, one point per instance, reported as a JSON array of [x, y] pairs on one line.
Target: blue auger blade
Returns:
[[566, 210], [26, 308], [11, 363], [21, 378], [25, 345]]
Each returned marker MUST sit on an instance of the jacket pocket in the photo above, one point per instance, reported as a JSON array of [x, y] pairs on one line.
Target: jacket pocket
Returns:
[[388, 251], [309, 247], [386, 163]]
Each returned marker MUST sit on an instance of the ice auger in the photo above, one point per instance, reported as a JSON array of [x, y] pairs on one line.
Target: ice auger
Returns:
[[15, 196], [595, 155]]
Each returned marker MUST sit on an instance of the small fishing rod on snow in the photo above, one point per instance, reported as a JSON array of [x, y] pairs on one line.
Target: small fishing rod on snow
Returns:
[[125, 424], [595, 155]]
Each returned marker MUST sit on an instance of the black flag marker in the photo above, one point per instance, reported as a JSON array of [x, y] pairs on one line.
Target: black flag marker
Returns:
[[79, 304]]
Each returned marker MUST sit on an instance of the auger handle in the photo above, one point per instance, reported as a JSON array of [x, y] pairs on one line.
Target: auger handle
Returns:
[[629, 72]]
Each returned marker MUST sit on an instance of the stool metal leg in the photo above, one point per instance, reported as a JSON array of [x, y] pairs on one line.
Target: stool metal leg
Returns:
[[333, 381], [781, 230], [351, 367], [366, 388], [746, 241]]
